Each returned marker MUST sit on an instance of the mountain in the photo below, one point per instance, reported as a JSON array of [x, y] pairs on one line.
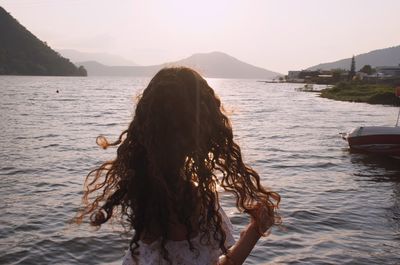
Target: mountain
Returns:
[[97, 69], [383, 57], [103, 58], [21, 53], [214, 64], [221, 65]]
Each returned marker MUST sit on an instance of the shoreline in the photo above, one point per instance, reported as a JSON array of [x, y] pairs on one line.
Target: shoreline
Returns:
[[362, 93]]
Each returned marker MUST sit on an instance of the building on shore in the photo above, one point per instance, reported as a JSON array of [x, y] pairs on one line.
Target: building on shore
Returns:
[[383, 73], [388, 71]]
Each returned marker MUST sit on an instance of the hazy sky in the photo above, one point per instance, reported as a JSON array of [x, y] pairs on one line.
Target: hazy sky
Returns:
[[278, 35]]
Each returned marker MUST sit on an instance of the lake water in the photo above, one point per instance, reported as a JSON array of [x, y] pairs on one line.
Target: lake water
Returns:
[[338, 207]]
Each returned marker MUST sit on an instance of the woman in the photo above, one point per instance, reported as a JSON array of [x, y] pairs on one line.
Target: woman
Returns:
[[163, 182]]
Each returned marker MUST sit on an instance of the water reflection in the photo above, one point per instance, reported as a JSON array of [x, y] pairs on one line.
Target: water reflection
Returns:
[[338, 207], [381, 169], [376, 167]]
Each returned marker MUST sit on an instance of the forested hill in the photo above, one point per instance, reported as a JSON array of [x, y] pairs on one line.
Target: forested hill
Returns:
[[21, 53], [383, 57]]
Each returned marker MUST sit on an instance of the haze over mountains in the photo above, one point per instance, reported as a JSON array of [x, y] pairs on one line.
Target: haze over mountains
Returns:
[[382, 57], [22, 53], [213, 64], [221, 65], [103, 58]]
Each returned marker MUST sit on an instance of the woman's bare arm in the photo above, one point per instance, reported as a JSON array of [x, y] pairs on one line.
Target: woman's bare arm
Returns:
[[261, 220]]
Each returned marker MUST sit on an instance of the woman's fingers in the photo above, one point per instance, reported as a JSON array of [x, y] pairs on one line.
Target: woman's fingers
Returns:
[[262, 216]]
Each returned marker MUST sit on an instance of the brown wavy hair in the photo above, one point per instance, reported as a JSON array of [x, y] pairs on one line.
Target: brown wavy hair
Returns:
[[176, 150]]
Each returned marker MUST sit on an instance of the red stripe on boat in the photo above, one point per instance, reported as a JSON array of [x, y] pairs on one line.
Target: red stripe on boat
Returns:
[[374, 139]]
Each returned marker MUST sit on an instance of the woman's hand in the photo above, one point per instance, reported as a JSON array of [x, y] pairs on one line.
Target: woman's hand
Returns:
[[262, 218]]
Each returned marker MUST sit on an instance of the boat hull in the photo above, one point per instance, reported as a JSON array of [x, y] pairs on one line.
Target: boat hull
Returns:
[[375, 139]]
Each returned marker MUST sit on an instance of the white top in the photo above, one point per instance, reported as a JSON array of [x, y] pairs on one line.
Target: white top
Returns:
[[179, 252], [374, 130]]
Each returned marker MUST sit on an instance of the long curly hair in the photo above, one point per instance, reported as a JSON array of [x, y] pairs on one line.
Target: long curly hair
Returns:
[[176, 150]]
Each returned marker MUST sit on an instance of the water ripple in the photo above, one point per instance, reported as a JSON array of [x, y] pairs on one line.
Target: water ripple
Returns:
[[337, 207]]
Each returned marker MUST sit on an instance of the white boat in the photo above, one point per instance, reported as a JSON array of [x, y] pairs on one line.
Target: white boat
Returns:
[[383, 140], [375, 139]]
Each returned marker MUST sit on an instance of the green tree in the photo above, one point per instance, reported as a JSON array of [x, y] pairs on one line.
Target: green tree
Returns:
[[352, 72], [367, 69], [82, 71], [337, 74]]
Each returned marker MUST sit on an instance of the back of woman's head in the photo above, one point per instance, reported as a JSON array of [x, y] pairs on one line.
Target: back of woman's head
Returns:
[[167, 163], [178, 119]]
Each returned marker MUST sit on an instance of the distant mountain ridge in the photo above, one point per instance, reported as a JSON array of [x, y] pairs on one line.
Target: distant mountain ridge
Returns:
[[213, 64], [382, 57], [222, 65], [103, 58], [97, 69], [22, 53]]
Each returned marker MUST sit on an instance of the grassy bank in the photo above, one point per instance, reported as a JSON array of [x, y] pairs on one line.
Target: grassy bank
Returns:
[[368, 93]]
